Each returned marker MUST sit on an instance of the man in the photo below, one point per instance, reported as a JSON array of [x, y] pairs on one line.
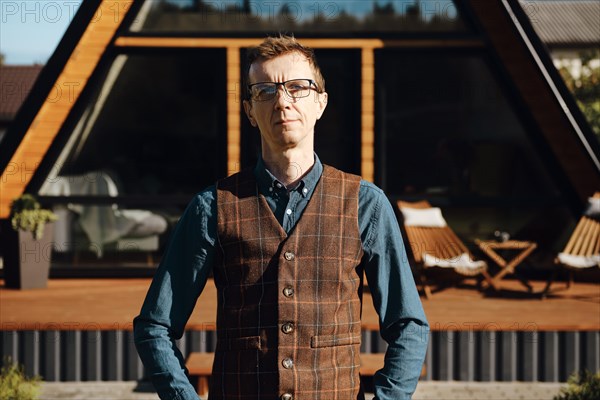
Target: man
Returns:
[[287, 244]]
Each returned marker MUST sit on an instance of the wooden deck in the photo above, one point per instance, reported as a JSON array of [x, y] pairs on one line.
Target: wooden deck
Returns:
[[111, 304]]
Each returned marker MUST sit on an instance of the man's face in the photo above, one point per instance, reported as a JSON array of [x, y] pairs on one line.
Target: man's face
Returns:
[[284, 122]]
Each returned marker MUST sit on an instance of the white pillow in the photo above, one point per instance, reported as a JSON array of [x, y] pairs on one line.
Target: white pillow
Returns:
[[593, 208], [426, 217], [579, 261], [462, 261]]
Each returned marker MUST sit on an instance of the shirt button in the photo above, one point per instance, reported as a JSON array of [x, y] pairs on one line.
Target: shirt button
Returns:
[[288, 211], [279, 185], [305, 190], [287, 363], [287, 396], [288, 255], [287, 328], [270, 189], [288, 291]]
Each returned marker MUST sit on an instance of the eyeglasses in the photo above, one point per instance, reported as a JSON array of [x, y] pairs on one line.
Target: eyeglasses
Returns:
[[294, 88]]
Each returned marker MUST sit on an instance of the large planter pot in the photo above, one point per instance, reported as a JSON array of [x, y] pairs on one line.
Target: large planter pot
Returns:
[[26, 260]]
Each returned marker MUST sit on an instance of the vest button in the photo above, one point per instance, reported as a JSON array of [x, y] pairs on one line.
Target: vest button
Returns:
[[287, 396], [288, 291], [287, 328], [289, 255], [287, 363]]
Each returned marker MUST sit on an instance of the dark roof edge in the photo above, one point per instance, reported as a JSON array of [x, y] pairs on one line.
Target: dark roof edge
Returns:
[[555, 82], [46, 80]]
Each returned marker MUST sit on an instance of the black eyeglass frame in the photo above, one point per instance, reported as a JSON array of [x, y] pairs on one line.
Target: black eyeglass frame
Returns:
[[312, 86]]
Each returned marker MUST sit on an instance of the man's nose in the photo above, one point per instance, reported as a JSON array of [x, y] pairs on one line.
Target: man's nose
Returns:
[[282, 100]]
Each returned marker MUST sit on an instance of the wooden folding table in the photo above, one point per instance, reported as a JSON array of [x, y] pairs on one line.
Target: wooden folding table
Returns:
[[490, 247]]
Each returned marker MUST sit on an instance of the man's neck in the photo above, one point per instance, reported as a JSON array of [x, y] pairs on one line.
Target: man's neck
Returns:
[[289, 166]]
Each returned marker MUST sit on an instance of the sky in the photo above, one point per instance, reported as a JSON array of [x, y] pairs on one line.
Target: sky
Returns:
[[30, 30]]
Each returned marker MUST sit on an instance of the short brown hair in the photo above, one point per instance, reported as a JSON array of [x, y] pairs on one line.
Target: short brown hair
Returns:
[[273, 47]]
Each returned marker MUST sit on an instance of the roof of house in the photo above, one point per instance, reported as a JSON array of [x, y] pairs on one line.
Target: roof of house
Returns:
[[558, 23], [570, 23], [16, 82]]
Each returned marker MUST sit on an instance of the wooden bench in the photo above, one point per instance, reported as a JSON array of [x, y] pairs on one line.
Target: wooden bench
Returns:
[[199, 366]]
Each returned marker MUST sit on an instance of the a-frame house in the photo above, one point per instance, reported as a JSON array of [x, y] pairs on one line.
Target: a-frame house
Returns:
[[454, 101]]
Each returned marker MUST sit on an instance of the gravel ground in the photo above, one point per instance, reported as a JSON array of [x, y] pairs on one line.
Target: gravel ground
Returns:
[[426, 390]]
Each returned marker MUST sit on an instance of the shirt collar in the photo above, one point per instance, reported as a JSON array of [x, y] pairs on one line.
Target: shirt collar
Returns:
[[266, 180]]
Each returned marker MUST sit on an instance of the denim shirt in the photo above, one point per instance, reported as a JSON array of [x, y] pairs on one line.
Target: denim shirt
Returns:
[[188, 260]]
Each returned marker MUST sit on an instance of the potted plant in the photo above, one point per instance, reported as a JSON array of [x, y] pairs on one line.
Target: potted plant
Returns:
[[27, 244]]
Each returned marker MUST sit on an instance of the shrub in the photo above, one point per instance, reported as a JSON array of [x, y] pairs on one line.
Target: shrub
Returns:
[[15, 385], [581, 386]]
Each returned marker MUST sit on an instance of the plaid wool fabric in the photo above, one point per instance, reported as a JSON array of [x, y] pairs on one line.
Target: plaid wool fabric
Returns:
[[289, 307]]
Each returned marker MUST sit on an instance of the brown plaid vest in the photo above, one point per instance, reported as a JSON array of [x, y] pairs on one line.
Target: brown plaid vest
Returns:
[[289, 306]]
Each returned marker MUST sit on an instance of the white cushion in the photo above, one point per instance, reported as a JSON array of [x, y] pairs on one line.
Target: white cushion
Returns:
[[147, 223], [593, 208], [462, 261], [427, 217], [579, 261]]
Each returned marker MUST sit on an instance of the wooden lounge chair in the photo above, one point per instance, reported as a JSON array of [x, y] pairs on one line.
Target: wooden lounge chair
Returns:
[[583, 248], [438, 246]]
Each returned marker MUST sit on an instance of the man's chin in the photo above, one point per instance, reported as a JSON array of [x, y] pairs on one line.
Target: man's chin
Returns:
[[290, 136]]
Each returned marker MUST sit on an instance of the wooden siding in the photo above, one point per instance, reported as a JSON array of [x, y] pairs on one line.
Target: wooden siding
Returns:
[[60, 100], [367, 113], [234, 96], [354, 43]]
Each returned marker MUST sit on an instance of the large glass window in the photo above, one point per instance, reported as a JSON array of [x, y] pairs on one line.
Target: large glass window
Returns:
[[157, 124], [337, 134], [446, 131], [151, 136], [231, 17]]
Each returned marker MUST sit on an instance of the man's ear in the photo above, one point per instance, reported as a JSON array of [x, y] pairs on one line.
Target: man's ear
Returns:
[[322, 101], [249, 113]]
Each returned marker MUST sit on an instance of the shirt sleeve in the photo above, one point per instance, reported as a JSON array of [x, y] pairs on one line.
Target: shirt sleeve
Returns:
[[402, 321], [171, 298]]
